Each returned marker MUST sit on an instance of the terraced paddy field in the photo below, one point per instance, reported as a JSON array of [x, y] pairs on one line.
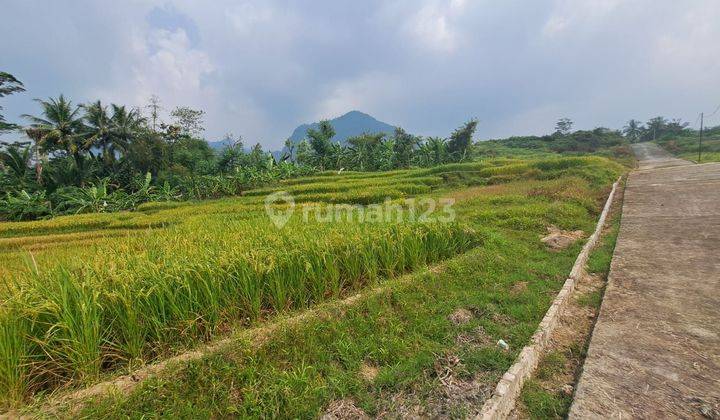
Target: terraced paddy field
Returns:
[[86, 298]]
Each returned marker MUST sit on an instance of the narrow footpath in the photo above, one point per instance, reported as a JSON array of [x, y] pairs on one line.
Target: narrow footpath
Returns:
[[655, 350]]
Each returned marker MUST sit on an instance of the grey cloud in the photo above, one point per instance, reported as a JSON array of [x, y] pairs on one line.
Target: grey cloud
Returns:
[[261, 68]]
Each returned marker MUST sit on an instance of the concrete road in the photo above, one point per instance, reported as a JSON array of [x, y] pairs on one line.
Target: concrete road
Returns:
[[650, 156], [655, 350]]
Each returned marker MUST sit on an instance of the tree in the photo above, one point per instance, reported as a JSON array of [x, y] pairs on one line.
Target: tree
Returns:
[[61, 128], [563, 126], [461, 139], [433, 152], [633, 130], [148, 153], [655, 127], [154, 107], [403, 147], [15, 162], [232, 155], [258, 158], [320, 142], [8, 85], [125, 125], [304, 154], [189, 120], [98, 128], [289, 149], [362, 150]]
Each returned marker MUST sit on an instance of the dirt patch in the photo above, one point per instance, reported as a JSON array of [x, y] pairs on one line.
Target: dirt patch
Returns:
[[519, 288], [558, 239], [344, 410], [502, 319], [454, 396], [460, 316], [478, 338], [368, 372], [453, 392]]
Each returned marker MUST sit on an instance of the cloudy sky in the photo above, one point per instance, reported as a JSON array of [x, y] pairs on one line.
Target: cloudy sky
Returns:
[[260, 68]]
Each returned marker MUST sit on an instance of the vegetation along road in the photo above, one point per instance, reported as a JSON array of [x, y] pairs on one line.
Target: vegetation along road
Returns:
[[654, 351]]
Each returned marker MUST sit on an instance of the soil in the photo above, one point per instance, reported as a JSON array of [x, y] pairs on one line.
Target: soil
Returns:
[[558, 239], [461, 316]]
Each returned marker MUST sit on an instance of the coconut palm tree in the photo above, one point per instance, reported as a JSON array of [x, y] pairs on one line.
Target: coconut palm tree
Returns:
[[61, 128], [633, 130], [15, 162], [125, 125], [98, 130]]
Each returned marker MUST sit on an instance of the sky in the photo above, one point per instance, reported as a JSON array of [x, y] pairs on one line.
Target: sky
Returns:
[[261, 68]]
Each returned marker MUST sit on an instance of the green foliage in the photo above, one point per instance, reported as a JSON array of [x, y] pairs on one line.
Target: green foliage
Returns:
[[15, 164], [8, 85], [320, 142], [542, 404], [25, 206], [188, 120], [563, 126], [687, 144], [460, 141], [598, 140], [404, 145], [79, 148]]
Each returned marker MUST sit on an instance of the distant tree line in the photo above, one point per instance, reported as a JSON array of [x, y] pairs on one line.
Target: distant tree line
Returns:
[[379, 152], [655, 129], [98, 157]]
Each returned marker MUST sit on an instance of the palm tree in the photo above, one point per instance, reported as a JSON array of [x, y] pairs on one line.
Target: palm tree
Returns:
[[633, 130], [16, 163], [98, 129], [655, 127], [60, 128], [125, 125], [40, 157]]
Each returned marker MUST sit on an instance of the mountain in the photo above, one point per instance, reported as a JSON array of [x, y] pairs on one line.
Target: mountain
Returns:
[[348, 125], [220, 144], [351, 124]]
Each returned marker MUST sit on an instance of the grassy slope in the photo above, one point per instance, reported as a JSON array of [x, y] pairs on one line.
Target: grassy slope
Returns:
[[687, 148], [540, 402], [401, 331]]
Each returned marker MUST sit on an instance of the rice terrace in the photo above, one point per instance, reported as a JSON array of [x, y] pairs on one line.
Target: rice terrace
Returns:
[[442, 264]]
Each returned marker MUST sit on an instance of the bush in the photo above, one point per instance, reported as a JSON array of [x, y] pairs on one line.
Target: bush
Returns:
[[24, 206]]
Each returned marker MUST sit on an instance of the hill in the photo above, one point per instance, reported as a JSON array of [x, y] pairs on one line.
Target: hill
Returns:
[[350, 124]]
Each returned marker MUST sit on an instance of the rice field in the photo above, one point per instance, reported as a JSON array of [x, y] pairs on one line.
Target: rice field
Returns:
[[90, 295]]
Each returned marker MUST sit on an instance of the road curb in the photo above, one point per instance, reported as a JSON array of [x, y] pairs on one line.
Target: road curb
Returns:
[[501, 403]]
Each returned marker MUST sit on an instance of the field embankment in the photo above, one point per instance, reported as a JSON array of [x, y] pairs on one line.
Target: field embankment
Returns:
[[89, 296]]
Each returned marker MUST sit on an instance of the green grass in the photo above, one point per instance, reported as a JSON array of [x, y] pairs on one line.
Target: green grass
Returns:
[[542, 404], [541, 398], [687, 148], [125, 289]]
